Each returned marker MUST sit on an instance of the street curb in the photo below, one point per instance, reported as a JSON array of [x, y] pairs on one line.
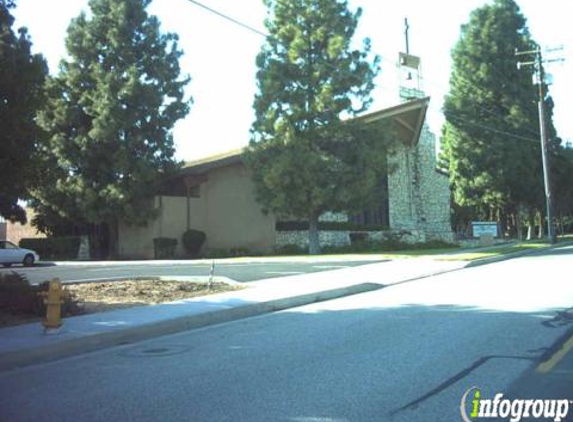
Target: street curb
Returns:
[[485, 261], [72, 347]]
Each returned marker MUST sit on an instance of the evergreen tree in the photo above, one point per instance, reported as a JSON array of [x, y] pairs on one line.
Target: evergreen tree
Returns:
[[109, 115], [305, 159], [22, 76], [490, 139], [563, 189]]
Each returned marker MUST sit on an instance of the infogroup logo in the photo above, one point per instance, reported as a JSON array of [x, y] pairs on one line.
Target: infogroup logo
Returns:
[[512, 410]]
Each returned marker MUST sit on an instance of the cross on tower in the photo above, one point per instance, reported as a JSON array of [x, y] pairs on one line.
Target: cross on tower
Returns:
[[410, 71]]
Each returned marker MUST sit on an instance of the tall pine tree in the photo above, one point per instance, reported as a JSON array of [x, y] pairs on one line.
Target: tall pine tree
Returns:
[[491, 134], [109, 116], [305, 159], [22, 76]]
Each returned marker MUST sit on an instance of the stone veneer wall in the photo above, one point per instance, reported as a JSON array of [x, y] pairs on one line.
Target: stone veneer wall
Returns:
[[339, 217], [300, 238], [419, 196], [326, 237], [419, 201], [342, 237]]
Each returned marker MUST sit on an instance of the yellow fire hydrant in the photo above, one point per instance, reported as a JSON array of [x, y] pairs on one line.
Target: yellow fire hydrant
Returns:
[[53, 299]]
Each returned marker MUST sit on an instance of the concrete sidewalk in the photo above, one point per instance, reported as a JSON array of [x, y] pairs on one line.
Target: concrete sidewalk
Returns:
[[27, 344]]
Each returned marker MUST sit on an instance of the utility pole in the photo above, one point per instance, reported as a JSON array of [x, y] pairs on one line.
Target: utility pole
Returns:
[[406, 29], [537, 63]]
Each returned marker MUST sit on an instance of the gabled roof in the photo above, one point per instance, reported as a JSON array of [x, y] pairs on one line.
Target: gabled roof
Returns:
[[408, 119], [213, 161]]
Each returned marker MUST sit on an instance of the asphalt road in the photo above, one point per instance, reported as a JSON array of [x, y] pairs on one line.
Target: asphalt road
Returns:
[[404, 353], [238, 271]]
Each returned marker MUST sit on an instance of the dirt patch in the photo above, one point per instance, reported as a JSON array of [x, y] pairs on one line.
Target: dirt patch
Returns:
[[107, 296]]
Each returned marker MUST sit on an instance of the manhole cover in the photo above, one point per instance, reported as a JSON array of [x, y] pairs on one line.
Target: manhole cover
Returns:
[[150, 352]]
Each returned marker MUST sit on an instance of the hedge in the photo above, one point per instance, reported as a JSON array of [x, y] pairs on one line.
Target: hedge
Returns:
[[193, 240], [329, 225], [19, 297], [53, 247], [164, 247]]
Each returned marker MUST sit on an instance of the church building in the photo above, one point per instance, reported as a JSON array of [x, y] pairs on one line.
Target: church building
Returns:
[[217, 196]]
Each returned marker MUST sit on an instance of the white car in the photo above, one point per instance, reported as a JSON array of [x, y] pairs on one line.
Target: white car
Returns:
[[12, 254]]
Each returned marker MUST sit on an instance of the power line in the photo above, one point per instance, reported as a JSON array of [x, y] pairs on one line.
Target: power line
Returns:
[[474, 104], [256, 31], [230, 19], [491, 129], [437, 110]]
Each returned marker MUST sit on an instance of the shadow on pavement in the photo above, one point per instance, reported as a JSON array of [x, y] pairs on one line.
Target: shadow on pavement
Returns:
[[346, 361]]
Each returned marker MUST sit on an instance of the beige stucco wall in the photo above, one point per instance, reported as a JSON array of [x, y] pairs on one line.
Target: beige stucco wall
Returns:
[[136, 241], [234, 218], [226, 211]]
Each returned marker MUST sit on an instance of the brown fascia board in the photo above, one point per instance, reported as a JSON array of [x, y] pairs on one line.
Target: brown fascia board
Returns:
[[214, 161], [396, 112], [195, 172]]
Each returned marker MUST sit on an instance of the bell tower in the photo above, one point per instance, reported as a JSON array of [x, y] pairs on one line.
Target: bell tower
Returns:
[[410, 71]]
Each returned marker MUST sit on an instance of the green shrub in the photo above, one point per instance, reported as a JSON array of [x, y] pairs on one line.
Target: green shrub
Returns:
[[55, 248], [164, 247], [358, 237], [193, 240], [435, 244], [217, 253], [358, 247], [19, 297], [290, 249], [390, 244], [241, 251], [328, 225], [231, 253]]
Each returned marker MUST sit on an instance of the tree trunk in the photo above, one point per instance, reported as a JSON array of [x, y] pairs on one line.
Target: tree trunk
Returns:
[[99, 241], [541, 232], [313, 240], [112, 229], [503, 222], [518, 227], [530, 224]]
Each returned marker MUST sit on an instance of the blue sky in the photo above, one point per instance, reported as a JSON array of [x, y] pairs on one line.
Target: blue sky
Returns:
[[220, 57]]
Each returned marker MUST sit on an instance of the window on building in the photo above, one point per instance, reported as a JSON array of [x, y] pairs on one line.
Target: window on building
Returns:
[[195, 191], [371, 217], [377, 215]]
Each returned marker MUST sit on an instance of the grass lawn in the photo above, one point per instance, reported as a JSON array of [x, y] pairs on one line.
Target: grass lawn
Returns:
[[450, 254], [468, 255], [445, 254]]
